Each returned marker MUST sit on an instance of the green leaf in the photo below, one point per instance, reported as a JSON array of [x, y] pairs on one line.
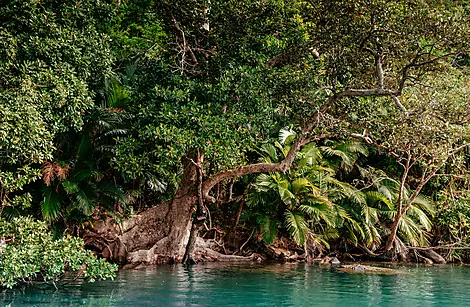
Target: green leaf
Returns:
[[297, 226], [50, 206], [69, 186], [268, 228]]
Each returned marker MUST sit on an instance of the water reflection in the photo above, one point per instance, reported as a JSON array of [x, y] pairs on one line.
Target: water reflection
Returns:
[[257, 285]]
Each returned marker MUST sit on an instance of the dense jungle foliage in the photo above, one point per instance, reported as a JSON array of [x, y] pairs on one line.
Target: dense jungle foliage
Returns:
[[334, 125]]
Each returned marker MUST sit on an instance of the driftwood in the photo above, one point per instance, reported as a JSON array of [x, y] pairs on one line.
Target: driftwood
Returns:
[[358, 268], [431, 254]]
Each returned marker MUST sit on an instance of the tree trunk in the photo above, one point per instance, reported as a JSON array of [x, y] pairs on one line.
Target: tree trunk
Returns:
[[188, 255], [157, 235], [160, 234], [393, 232]]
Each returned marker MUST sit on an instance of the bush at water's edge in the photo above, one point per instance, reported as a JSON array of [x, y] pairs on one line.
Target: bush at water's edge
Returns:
[[29, 253]]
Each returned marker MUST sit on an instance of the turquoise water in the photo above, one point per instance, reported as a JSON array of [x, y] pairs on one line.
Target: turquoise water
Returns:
[[257, 285]]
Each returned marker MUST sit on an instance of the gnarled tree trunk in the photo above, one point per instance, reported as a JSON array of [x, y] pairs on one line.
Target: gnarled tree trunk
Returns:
[[157, 235], [160, 234]]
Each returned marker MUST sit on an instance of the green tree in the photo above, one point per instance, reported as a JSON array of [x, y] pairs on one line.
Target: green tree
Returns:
[[53, 59], [423, 139], [265, 65]]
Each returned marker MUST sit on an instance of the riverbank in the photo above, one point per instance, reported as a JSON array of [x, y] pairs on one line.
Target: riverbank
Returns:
[[208, 251]]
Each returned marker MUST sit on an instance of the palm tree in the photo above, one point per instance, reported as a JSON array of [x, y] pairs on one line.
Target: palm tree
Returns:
[[314, 206], [378, 209], [304, 200], [73, 188]]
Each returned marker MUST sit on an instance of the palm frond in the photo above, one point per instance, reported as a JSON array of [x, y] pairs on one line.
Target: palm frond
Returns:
[[375, 198], [84, 149], [70, 187], [284, 149], [297, 226], [112, 191], [417, 213], [319, 212], [84, 199], [346, 157], [263, 183], [269, 151], [329, 233], [310, 155], [286, 135], [50, 206], [424, 204], [371, 235], [155, 184], [113, 133], [301, 184], [412, 232], [353, 146], [347, 190], [286, 195], [81, 174]]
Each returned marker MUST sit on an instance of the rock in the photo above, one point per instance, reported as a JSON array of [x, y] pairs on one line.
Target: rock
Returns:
[[359, 268], [335, 261], [326, 259], [257, 257]]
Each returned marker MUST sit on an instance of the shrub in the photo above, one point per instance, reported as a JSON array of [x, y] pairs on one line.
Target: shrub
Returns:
[[29, 253]]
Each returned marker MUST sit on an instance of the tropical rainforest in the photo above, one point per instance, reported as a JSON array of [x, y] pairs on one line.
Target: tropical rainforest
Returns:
[[142, 132]]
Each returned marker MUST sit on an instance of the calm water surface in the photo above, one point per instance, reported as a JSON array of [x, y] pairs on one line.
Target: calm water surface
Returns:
[[257, 285]]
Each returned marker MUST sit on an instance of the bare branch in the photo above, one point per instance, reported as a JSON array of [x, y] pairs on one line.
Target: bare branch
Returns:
[[184, 48], [380, 71], [403, 182], [376, 92], [451, 175], [380, 91], [414, 64], [367, 251], [456, 150], [397, 101]]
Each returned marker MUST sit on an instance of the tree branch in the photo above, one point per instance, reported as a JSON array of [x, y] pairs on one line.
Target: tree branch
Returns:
[[456, 150], [414, 64], [431, 175], [380, 71], [376, 92], [380, 91], [280, 167], [403, 182]]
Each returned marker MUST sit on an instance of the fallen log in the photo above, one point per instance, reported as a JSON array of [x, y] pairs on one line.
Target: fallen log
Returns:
[[359, 268]]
